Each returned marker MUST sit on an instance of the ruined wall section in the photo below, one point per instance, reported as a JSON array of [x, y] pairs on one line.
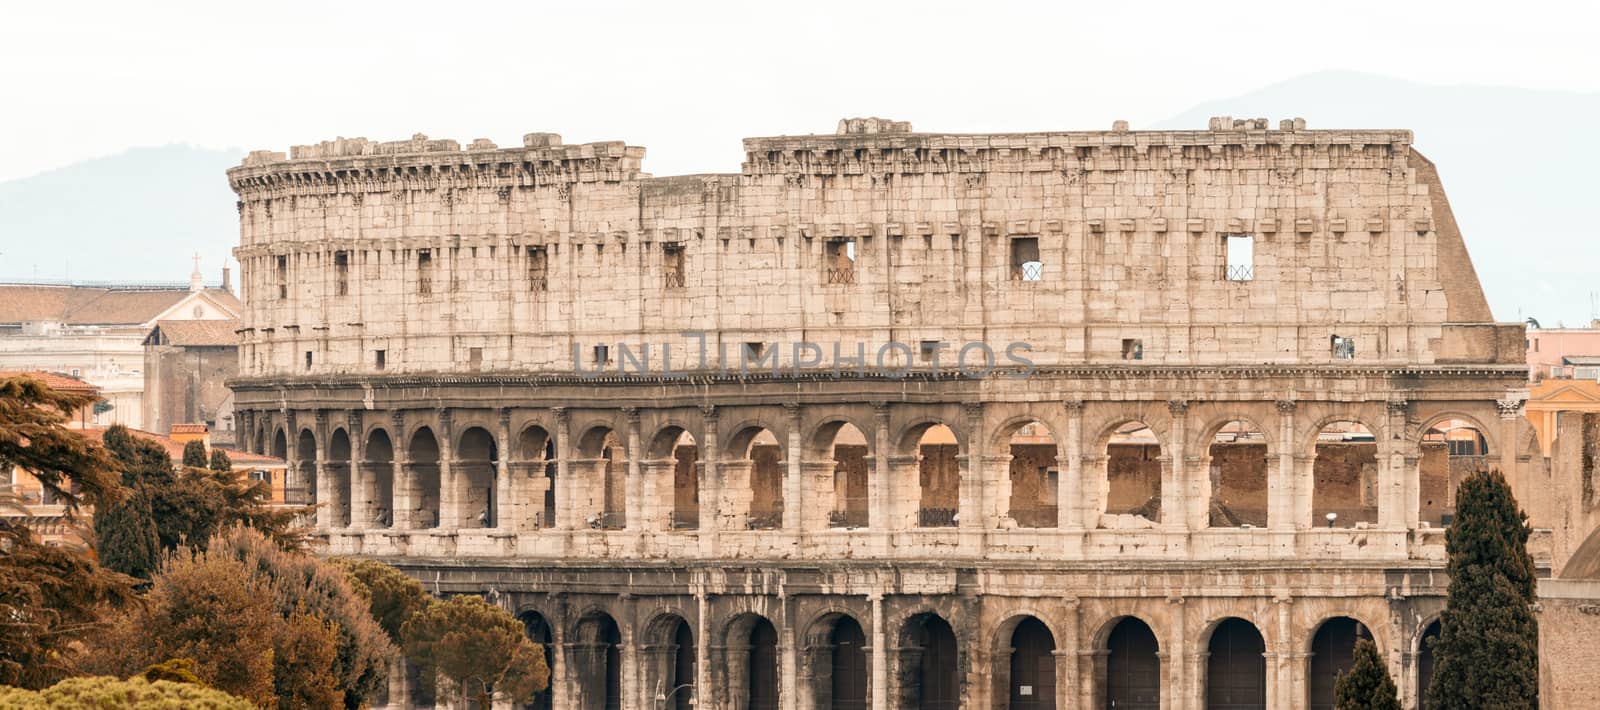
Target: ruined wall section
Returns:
[[532, 250]]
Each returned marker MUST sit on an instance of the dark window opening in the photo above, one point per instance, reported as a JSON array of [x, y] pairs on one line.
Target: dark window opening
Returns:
[[474, 358], [308, 359], [839, 260], [1343, 348], [538, 269], [380, 358], [1132, 349], [1025, 261], [341, 273], [283, 278], [753, 351], [602, 354], [929, 349], [424, 272], [673, 268]]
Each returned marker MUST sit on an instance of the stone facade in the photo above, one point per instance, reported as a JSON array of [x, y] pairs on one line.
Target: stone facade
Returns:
[[1089, 522]]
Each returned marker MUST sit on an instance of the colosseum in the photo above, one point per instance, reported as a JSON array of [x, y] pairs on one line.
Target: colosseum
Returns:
[[894, 420]]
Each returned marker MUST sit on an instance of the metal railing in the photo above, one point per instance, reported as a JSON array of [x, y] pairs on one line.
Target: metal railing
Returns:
[[936, 517], [1240, 272], [846, 275], [1028, 271], [847, 518], [673, 279], [613, 520], [538, 283], [765, 521], [685, 519]]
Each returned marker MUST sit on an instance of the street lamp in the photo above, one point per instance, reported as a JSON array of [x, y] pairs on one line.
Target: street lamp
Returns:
[[1331, 517], [661, 699]]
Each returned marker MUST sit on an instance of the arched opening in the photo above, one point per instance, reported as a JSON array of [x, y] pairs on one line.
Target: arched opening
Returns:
[[938, 478], [849, 665], [379, 480], [259, 437], [1345, 476], [1238, 454], [754, 472], [1332, 652], [669, 656], [538, 631], [1133, 669], [339, 490], [1032, 676], [930, 669], [280, 446], [478, 463], [674, 467], [845, 498], [422, 462], [1236, 669], [603, 478], [1425, 663], [595, 658], [303, 489], [536, 464], [1452, 449], [1131, 487], [1035, 476], [752, 663]]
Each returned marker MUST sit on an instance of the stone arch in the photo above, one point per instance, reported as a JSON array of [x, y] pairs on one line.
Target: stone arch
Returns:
[[533, 464], [536, 626], [1330, 649], [280, 444], [835, 649], [1450, 446], [1024, 672], [672, 470], [1490, 434], [340, 474], [600, 476], [477, 472], [1030, 490], [1237, 462], [422, 467], [1423, 646], [377, 507], [930, 663], [750, 669], [925, 474], [842, 448], [1236, 668], [1344, 471], [669, 658], [594, 655], [754, 469], [1308, 434], [1129, 674], [1134, 462], [304, 486]]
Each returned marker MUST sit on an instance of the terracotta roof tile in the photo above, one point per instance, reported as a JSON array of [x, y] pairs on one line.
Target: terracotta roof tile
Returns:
[[56, 381], [194, 333], [84, 305]]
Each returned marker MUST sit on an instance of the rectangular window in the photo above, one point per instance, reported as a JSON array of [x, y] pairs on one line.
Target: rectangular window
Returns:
[[753, 351], [673, 268], [474, 358], [76, 372], [839, 260], [1241, 257], [538, 269], [928, 348], [1025, 261], [424, 272], [1132, 349], [602, 354], [380, 358], [341, 273], [308, 359], [283, 278], [1343, 348]]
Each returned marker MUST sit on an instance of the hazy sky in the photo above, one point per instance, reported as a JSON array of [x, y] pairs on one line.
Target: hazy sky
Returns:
[[81, 80]]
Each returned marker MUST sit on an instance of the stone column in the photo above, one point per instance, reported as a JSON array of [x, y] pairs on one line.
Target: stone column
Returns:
[[1177, 499], [880, 655], [1305, 485], [450, 507], [509, 509], [733, 510], [817, 489], [1510, 414], [901, 511], [880, 490], [1096, 482], [361, 479], [245, 434], [1177, 671], [657, 489], [327, 496], [1398, 479], [1069, 493], [794, 502], [997, 471], [1283, 672], [404, 498], [788, 651], [1285, 476], [976, 506], [702, 647], [633, 505], [1068, 683], [566, 517], [709, 487]]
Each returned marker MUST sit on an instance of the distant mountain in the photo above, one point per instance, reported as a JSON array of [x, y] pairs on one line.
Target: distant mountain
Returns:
[[1517, 164], [137, 216]]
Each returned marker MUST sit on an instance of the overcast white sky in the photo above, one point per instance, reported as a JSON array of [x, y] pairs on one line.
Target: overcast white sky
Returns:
[[687, 80]]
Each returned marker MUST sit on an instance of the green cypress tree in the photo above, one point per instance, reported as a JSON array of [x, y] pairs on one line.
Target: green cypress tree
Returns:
[[220, 461], [1367, 686], [194, 454], [125, 537], [1487, 653]]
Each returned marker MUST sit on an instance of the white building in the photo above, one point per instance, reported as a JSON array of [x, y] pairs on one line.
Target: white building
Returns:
[[96, 331]]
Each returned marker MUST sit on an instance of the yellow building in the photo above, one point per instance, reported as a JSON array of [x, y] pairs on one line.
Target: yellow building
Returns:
[[1551, 396]]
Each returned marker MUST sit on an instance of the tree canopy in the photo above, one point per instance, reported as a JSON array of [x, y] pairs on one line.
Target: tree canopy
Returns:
[[95, 693], [477, 650], [1367, 685]]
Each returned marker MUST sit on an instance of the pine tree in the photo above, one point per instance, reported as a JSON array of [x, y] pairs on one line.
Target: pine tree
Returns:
[[194, 454], [125, 537], [220, 461], [1487, 652], [1367, 686]]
